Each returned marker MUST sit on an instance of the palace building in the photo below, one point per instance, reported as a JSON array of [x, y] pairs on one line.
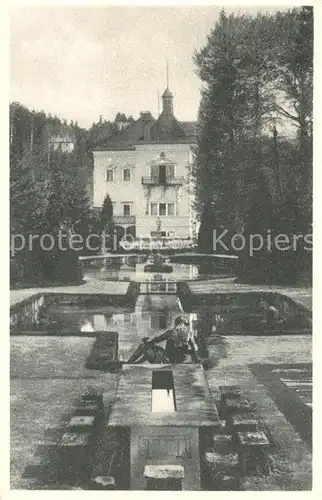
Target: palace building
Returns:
[[145, 169]]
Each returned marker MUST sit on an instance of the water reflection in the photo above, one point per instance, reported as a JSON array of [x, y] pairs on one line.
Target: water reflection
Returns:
[[126, 269], [163, 401], [163, 396], [87, 326]]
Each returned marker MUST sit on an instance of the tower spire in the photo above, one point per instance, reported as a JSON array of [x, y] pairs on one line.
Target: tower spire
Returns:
[[167, 97], [158, 103]]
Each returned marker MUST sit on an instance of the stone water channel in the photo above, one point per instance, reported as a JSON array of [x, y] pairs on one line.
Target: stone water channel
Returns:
[[215, 455]]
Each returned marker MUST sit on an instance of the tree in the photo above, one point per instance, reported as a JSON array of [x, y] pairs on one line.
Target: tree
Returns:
[[295, 82], [106, 219], [48, 191], [248, 66]]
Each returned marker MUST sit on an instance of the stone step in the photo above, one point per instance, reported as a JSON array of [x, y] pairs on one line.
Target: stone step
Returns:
[[89, 408], [222, 443], [228, 483], [82, 424], [40, 467], [48, 447], [221, 464], [73, 440], [92, 395], [54, 433], [103, 483], [243, 423]]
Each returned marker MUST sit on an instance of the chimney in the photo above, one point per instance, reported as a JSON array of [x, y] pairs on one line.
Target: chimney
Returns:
[[146, 119]]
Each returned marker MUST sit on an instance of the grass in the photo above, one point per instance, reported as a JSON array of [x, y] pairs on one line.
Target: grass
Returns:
[[48, 376], [291, 459], [47, 379]]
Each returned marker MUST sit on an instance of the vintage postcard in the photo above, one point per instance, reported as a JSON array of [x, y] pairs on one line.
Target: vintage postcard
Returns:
[[161, 244]]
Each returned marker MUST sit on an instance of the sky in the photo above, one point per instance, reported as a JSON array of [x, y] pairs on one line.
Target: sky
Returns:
[[83, 62]]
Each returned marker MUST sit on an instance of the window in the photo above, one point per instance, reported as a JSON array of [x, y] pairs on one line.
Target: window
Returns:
[[170, 208], [154, 209], [126, 174], [126, 209], [162, 174], [170, 171], [154, 234], [162, 209], [154, 171], [109, 175]]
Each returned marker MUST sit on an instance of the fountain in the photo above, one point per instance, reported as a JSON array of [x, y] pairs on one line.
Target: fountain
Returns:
[[164, 410]]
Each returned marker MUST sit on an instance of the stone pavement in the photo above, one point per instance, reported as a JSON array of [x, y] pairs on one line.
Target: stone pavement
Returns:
[[103, 287], [302, 296]]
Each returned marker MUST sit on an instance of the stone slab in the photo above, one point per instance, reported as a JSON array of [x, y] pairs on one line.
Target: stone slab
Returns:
[[54, 433], [228, 482], [194, 404], [104, 482], [252, 439], [82, 423], [233, 406], [38, 467], [164, 472], [222, 440], [87, 409], [92, 395], [245, 426], [229, 389], [221, 464], [74, 439]]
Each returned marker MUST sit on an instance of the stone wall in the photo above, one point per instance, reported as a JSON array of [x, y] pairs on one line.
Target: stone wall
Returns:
[[168, 446], [26, 314]]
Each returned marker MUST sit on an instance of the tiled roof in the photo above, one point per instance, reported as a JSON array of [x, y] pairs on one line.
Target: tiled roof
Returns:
[[190, 128], [135, 133], [147, 130], [167, 128]]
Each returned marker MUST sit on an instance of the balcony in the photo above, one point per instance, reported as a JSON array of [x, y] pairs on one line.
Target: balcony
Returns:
[[168, 181], [124, 219]]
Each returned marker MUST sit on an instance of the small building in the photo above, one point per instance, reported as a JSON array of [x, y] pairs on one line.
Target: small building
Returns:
[[60, 137], [62, 143], [164, 410]]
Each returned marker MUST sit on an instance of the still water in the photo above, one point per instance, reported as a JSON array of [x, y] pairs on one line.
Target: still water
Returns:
[[154, 313], [128, 269]]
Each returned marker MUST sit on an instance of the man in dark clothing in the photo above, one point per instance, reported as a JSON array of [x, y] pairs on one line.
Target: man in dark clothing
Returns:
[[180, 345]]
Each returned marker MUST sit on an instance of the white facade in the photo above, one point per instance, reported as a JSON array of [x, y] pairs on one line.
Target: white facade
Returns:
[[139, 198]]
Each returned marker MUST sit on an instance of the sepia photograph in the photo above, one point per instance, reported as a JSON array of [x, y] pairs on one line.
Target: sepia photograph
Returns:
[[161, 187]]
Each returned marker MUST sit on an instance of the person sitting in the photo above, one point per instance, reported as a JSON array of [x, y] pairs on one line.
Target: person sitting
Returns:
[[181, 346]]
